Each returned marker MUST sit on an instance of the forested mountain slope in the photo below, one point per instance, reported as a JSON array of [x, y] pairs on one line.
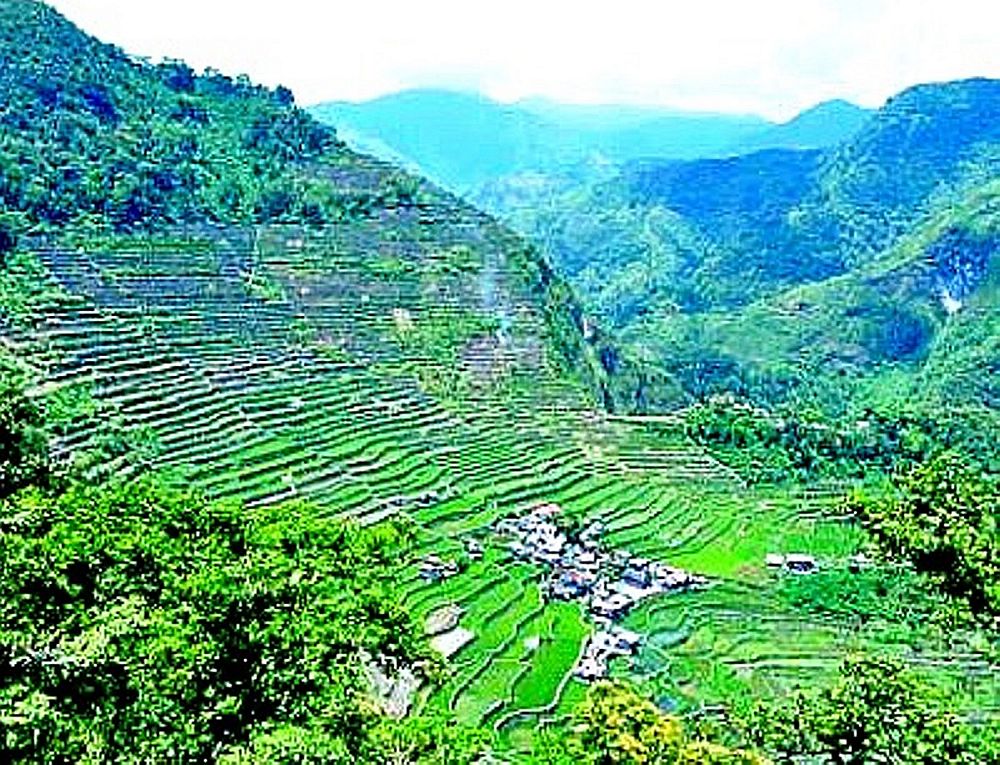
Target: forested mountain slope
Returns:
[[798, 216], [893, 235], [690, 252], [89, 133], [269, 411]]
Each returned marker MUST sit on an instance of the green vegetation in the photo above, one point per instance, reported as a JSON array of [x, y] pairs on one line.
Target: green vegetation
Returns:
[[351, 372], [92, 137], [943, 516], [616, 726], [24, 283], [891, 594], [798, 443], [142, 623], [24, 457], [8, 239], [788, 275], [875, 711], [769, 447]]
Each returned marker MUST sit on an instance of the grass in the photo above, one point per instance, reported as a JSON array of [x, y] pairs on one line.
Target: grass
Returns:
[[340, 411], [564, 631]]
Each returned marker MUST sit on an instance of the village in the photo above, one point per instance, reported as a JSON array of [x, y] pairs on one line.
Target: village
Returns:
[[580, 568]]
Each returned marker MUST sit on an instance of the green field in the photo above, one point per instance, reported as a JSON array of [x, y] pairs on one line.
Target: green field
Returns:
[[378, 376]]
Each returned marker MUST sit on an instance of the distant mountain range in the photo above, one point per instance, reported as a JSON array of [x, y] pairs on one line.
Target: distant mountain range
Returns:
[[733, 253], [879, 256], [466, 140]]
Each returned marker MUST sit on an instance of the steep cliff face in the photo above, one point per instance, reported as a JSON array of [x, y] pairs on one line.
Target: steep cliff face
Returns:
[[961, 261]]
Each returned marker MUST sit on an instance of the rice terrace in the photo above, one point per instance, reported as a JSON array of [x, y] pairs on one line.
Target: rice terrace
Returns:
[[309, 459]]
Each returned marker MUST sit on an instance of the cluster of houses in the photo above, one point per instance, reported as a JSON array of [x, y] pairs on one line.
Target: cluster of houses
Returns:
[[604, 645], [799, 563], [793, 563], [433, 568], [422, 500], [580, 568]]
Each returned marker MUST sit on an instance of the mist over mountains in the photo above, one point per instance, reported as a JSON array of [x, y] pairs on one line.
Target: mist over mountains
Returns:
[[309, 455], [464, 140]]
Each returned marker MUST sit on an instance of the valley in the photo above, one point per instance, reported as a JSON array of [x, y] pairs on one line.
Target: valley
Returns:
[[311, 389], [686, 432]]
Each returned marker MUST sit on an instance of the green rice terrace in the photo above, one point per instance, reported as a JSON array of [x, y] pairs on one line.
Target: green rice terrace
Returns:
[[409, 371], [304, 459]]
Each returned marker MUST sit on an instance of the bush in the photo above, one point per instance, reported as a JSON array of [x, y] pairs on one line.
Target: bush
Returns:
[[141, 623], [944, 517], [8, 241], [24, 455], [875, 711]]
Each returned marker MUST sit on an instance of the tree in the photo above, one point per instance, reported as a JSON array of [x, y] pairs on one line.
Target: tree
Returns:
[[706, 753], [23, 440], [142, 623], [8, 239], [944, 517], [617, 726], [875, 711], [422, 741]]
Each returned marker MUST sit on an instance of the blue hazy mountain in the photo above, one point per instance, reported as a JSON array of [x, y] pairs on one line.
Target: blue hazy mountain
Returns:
[[465, 140], [826, 124]]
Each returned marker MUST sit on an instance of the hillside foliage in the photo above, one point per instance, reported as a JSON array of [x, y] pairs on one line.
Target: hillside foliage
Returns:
[[944, 516], [24, 458], [616, 725], [92, 135], [874, 711], [142, 623]]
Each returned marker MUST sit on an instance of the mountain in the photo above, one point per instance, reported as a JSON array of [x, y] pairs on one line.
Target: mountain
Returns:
[[282, 425], [200, 285], [925, 143], [89, 133], [918, 321], [875, 257], [466, 140], [619, 132], [469, 142], [760, 269], [824, 125], [459, 139]]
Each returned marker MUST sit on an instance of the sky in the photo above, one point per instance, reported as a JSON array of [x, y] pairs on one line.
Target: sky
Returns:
[[767, 57]]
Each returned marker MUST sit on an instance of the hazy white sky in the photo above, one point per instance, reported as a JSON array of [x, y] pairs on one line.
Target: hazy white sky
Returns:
[[772, 57]]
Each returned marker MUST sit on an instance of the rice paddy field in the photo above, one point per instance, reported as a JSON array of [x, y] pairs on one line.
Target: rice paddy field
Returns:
[[379, 371]]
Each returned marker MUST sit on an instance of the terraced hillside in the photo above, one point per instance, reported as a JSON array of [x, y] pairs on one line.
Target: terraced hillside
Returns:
[[199, 279], [406, 366]]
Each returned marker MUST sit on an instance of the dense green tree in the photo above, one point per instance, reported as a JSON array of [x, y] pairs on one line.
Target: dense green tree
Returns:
[[88, 133], [617, 726], [140, 623], [8, 240], [620, 727], [944, 517], [875, 711], [23, 439]]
